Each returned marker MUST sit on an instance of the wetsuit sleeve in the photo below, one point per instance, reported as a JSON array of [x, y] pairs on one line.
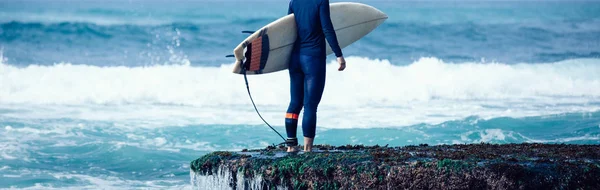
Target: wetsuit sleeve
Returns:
[[290, 11], [328, 28]]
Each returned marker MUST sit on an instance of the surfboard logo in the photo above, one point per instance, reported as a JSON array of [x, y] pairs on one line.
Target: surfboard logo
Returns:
[[257, 53]]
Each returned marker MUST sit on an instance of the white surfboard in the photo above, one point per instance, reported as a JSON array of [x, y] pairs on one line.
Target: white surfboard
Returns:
[[269, 49]]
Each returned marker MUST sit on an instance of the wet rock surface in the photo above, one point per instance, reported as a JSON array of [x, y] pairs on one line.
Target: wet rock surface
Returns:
[[474, 166]]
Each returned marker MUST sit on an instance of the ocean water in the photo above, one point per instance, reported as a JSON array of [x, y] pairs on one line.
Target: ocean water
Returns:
[[124, 94]]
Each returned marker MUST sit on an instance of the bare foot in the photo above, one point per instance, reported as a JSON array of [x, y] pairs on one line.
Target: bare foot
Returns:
[[292, 144], [308, 144], [293, 149]]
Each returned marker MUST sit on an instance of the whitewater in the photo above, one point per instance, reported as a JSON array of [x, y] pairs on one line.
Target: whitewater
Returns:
[[426, 91]]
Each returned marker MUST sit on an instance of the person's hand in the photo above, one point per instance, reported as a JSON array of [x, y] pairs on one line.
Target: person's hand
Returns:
[[342, 63]]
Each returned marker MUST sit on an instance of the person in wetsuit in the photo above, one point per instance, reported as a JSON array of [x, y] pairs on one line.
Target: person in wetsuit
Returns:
[[307, 66]]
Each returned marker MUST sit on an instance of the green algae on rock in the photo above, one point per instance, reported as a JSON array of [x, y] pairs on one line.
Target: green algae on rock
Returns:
[[475, 166]]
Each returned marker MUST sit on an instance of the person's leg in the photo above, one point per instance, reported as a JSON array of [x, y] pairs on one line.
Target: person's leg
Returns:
[[314, 83], [296, 98], [308, 144]]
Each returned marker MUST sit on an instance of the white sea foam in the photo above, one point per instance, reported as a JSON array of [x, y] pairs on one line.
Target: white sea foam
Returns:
[[365, 82], [162, 144], [586, 137], [487, 135], [109, 182], [370, 92]]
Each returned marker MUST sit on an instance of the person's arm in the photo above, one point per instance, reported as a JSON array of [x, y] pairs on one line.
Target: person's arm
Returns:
[[328, 28], [330, 33], [290, 11]]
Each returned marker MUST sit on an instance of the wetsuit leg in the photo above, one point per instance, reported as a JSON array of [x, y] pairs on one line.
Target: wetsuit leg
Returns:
[[314, 83], [296, 96]]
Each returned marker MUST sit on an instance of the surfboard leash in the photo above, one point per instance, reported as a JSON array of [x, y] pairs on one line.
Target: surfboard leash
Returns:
[[256, 109], [256, 63]]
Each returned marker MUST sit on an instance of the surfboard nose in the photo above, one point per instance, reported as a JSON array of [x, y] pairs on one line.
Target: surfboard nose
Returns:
[[378, 15], [381, 15], [374, 13]]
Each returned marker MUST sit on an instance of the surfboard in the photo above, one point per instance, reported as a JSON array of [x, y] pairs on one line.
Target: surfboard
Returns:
[[269, 49]]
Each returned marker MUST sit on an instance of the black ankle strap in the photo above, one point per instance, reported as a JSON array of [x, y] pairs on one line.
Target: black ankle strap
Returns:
[[291, 142]]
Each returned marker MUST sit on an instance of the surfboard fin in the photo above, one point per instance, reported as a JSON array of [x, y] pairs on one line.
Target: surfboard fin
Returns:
[[244, 32]]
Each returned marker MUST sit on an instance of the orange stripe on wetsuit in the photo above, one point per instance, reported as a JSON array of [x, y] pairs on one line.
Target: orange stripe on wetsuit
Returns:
[[291, 116]]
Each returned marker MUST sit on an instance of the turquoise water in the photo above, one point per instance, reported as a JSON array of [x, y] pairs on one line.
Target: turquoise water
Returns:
[[124, 94]]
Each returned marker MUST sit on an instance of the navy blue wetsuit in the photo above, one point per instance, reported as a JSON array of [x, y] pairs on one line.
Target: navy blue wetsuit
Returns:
[[307, 65]]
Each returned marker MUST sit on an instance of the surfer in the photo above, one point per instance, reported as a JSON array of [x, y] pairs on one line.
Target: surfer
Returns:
[[307, 67]]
